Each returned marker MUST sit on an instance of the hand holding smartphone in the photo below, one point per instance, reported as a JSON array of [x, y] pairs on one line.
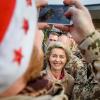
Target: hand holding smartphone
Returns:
[[54, 14]]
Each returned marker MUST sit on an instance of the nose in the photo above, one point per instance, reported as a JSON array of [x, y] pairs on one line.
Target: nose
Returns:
[[58, 58]]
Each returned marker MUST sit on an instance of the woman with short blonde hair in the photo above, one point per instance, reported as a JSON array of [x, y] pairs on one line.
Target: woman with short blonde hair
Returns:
[[57, 57]]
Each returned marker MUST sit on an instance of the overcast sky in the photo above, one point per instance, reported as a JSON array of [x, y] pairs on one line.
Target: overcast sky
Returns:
[[84, 1]]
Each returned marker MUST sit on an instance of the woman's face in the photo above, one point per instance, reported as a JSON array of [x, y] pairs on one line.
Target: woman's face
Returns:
[[57, 59]]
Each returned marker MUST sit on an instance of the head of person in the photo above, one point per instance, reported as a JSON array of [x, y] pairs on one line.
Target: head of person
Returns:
[[24, 57], [53, 36], [68, 41], [57, 56], [65, 40]]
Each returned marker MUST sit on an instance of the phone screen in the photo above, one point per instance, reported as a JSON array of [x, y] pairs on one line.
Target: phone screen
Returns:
[[54, 14]]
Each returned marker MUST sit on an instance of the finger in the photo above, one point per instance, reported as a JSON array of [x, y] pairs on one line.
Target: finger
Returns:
[[76, 3], [68, 2], [71, 11], [62, 27], [43, 25], [41, 3]]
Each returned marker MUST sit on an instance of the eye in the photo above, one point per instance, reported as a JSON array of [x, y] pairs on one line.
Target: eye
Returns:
[[54, 55], [50, 40], [62, 56]]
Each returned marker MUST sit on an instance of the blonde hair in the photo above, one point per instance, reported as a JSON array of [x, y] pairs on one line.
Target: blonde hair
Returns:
[[58, 44]]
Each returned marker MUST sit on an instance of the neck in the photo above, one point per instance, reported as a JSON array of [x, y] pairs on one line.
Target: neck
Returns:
[[57, 74]]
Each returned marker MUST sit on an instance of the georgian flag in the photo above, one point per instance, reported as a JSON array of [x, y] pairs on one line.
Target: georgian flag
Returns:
[[17, 31]]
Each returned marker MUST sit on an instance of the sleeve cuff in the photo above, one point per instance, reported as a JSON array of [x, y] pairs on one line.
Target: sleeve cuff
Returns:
[[90, 46]]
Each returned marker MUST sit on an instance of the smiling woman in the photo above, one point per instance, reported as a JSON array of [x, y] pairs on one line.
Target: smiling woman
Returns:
[[57, 57]]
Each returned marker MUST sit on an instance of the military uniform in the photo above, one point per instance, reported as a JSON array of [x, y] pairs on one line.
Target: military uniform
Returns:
[[45, 85], [64, 84], [86, 87], [74, 65], [40, 89]]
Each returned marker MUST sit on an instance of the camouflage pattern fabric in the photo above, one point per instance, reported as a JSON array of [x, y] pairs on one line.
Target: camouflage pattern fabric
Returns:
[[86, 87]]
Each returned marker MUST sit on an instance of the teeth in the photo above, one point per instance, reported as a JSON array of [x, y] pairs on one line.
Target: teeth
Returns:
[[57, 64]]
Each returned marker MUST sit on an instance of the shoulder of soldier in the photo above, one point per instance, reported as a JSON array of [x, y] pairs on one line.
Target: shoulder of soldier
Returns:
[[70, 78]]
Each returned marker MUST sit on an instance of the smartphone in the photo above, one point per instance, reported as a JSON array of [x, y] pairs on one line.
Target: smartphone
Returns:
[[52, 14]]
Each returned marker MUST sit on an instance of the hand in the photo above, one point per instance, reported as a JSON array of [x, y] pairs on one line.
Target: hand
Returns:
[[41, 3], [82, 22], [43, 25], [66, 40]]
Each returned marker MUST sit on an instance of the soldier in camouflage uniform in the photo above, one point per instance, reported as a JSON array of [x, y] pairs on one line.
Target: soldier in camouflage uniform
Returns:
[[76, 62], [89, 89]]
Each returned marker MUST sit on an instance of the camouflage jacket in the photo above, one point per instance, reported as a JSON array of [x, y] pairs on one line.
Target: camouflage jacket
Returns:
[[86, 87], [38, 89], [62, 85], [47, 84]]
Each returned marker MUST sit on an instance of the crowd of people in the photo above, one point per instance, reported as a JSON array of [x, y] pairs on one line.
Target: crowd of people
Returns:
[[66, 67]]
